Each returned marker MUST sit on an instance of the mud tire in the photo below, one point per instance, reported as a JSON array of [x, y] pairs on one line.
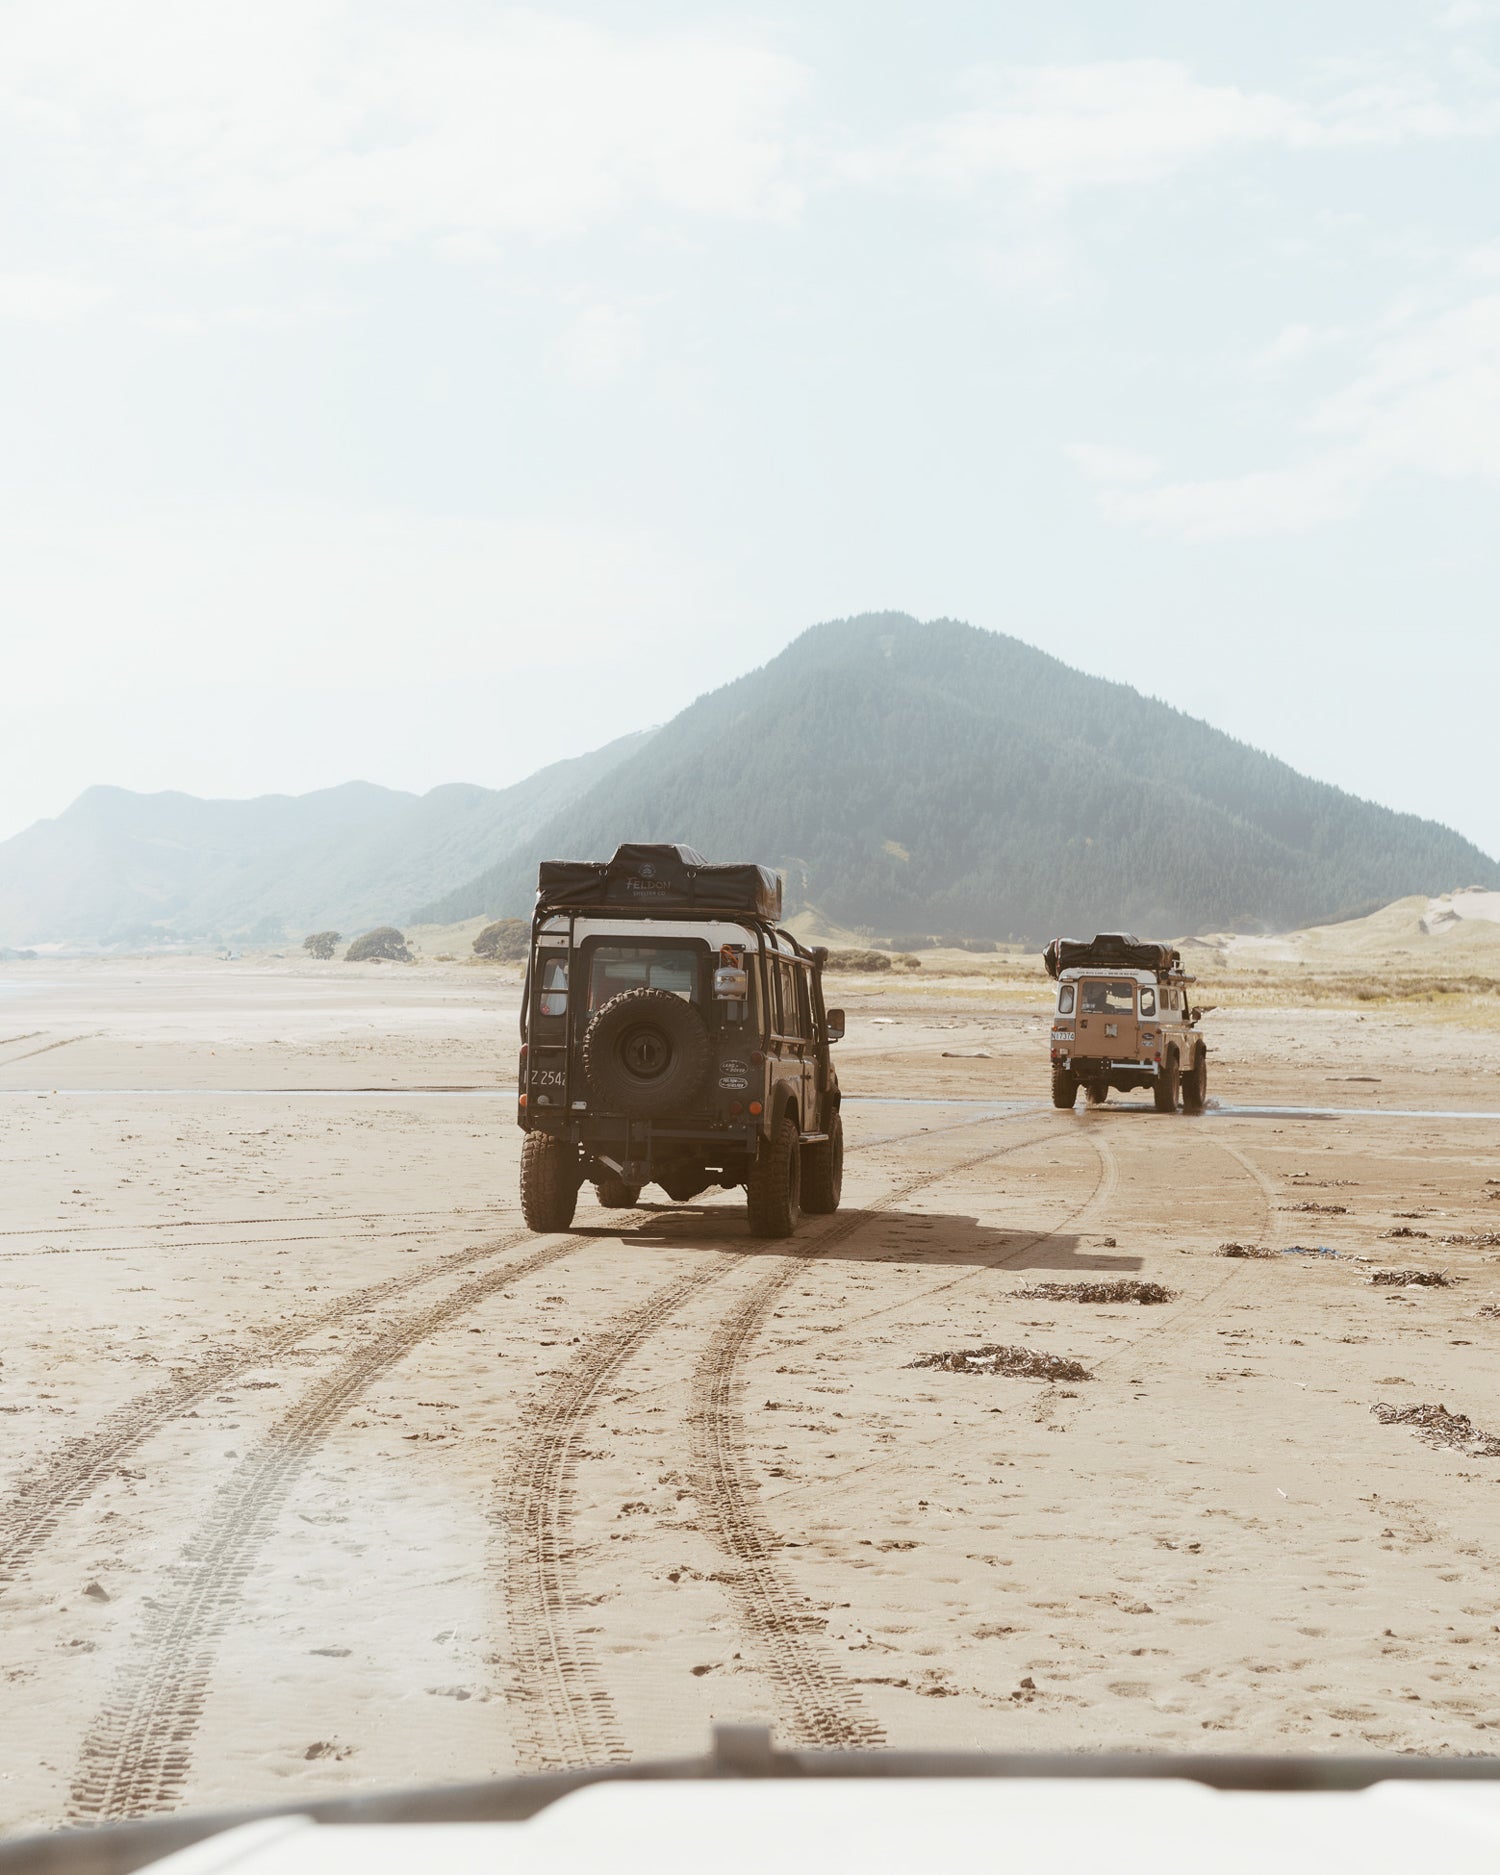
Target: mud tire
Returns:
[[1064, 1089], [646, 1053], [823, 1172], [1165, 1088], [615, 1195], [773, 1191], [550, 1177], [1195, 1084]]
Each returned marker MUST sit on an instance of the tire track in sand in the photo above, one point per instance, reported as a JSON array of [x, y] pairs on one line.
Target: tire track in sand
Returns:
[[1099, 1198], [137, 1752], [47, 1047], [567, 1716], [1155, 1335], [1150, 1332], [566, 1712], [817, 1705], [256, 1223], [66, 1477]]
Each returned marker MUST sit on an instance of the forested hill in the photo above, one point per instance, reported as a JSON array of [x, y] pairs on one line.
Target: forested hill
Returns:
[[940, 779]]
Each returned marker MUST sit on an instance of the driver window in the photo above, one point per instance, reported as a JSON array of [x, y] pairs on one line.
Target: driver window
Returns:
[[1148, 1002], [1065, 1000]]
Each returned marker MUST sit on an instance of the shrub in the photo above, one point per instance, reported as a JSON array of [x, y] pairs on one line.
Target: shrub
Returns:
[[858, 960], [507, 940], [384, 944], [906, 963], [322, 943]]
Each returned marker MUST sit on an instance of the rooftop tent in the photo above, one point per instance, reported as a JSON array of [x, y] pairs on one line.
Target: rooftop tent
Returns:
[[1110, 950], [643, 879]]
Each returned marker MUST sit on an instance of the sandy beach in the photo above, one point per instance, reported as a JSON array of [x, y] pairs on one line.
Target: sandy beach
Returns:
[[321, 1473]]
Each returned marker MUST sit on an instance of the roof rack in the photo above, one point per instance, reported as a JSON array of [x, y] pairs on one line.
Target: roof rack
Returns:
[[1111, 950], [647, 879]]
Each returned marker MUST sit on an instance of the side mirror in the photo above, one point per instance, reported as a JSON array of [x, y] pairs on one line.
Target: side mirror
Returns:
[[1196, 1014], [833, 1023]]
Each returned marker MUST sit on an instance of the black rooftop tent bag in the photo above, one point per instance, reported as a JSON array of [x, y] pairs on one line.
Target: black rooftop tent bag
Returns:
[[643, 879], [1110, 950]]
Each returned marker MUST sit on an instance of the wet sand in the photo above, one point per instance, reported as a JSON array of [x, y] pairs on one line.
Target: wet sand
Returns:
[[322, 1473]]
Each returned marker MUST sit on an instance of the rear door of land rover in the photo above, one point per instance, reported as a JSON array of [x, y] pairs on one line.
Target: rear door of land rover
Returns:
[[1105, 1026]]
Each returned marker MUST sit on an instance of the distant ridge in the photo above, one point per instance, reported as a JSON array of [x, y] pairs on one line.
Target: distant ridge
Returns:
[[943, 780], [120, 867], [908, 779]]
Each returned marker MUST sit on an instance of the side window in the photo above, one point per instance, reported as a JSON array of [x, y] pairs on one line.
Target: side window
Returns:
[[1148, 1001], [790, 1021], [554, 987], [804, 1002], [1065, 1000], [773, 988]]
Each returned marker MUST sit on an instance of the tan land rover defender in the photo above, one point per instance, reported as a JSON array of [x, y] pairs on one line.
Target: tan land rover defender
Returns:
[[1123, 1019]]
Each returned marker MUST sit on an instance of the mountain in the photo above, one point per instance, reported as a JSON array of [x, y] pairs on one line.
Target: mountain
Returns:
[[123, 867], [943, 780]]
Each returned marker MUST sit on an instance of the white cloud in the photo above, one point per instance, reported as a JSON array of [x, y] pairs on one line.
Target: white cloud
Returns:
[[46, 298], [1427, 403], [1274, 501], [269, 592], [1468, 13], [597, 345], [1062, 128], [1291, 344], [1100, 462], [253, 120]]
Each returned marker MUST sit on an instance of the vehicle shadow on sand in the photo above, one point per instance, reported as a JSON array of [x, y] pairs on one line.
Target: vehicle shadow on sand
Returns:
[[930, 1240]]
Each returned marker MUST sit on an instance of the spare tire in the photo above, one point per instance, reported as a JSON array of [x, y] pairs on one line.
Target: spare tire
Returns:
[[646, 1053]]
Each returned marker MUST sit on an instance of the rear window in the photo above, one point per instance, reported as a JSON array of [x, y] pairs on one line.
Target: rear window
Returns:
[[1065, 1000], [615, 968]]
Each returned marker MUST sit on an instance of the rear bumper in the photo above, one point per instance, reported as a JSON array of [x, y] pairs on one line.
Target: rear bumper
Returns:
[[636, 1150], [1087, 1067]]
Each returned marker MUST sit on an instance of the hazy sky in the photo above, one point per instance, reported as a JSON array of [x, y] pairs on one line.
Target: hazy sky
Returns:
[[424, 392]]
